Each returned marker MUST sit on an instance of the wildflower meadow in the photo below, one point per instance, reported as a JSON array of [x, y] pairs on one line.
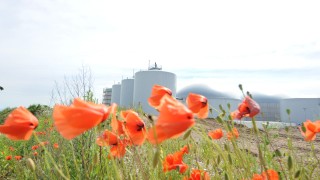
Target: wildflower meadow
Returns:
[[87, 140]]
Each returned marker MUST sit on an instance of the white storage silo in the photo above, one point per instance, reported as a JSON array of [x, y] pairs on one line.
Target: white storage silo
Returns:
[[301, 109], [143, 83], [215, 98], [126, 96], [115, 95]]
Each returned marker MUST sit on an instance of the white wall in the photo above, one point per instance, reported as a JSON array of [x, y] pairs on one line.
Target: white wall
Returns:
[[301, 109]]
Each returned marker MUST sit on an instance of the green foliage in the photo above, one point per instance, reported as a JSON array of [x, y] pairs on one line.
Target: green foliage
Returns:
[[82, 158], [39, 110], [4, 113]]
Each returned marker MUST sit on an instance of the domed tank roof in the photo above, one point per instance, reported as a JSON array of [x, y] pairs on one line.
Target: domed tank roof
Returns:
[[202, 89], [263, 98]]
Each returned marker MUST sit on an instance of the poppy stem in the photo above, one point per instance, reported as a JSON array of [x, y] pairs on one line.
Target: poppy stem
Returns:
[[256, 131], [74, 158], [50, 157]]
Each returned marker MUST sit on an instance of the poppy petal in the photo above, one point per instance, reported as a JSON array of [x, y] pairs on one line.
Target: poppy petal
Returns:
[[73, 121]]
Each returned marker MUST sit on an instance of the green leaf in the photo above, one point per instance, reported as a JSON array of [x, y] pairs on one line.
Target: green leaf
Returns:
[[219, 119], [290, 164], [207, 164], [266, 141], [187, 134], [288, 111], [277, 153], [240, 87], [297, 174], [287, 129], [226, 147], [221, 108], [156, 158], [303, 128], [230, 159], [229, 106], [218, 159], [226, 176]]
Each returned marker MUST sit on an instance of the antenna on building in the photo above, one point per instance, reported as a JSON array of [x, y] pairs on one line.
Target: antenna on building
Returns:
[[132, 73], [155, 67]]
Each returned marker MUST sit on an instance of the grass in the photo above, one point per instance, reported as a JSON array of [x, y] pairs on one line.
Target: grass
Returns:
[[82, 158]]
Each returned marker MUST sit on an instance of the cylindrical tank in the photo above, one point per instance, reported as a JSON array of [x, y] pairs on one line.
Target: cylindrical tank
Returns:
[[301, 109], [126, 96], [115, 95], [143, 83]]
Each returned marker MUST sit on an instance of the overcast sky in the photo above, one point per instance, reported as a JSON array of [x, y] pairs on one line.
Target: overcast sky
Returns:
[[271, 47]]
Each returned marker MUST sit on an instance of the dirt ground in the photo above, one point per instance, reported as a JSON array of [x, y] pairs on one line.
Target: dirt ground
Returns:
[[279, 138]]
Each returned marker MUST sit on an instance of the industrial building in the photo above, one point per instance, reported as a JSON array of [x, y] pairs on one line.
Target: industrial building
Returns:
[[215, 98], [134, 93], [106, 99], [300, 109], [270, 107]]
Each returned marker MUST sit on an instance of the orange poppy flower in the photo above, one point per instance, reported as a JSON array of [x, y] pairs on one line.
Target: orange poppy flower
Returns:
[[248, 108], [233, 134], [44, 143], [35, 147], [107, 139], [41, 133], [8, 157], [216, 134], [118, 150], [174, 118], [134, 127], [311, 129], [197, 174], [11, 148], [198, 104], [18, 157], [56, 145], [116, 125], [156, 95], [273, 175], [174, 161], [81, 116], [35, 153], [19, 124]]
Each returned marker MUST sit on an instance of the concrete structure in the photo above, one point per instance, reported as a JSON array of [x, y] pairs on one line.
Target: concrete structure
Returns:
[[268, 124], [215, 98], [270, 107], [126, 95], [107, 92], [115, 96], [145, 80], [135, 93], [300, 109]]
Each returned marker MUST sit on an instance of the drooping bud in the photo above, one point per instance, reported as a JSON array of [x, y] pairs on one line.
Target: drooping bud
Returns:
[[31, 164]]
